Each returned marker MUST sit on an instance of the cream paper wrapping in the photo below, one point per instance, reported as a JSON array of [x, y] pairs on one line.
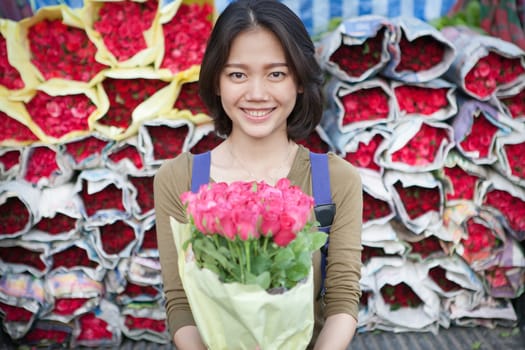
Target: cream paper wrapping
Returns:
[[237, 316]]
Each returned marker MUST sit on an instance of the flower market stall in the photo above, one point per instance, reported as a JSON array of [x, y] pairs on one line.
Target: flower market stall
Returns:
[[94, 97]]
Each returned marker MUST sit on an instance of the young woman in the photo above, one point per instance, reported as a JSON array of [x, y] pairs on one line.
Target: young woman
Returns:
[[263, 87]]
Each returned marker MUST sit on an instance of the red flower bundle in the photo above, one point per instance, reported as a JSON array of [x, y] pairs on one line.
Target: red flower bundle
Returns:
[[14, 130], [60, 223], [127, 152], [515, 104], [14, 216], [68, 306], [71, 257], [144, 187], [124, 96], [93, 328], [44, 336], [185, 37], [9, 76], [122, 25], [365, 296], [364, 156], [462, 183], [206, 143], [480, 138], [374, 208], [145, 323], [365, 105], [356, 60], [480, 242], [399, 296], [516, 158], [15, 313], [438, 275], [189, 99], [418, 200], [150, 239], [116, 237], [41, 163], [22, 256], [423, 147], [315, 143], [8, 160], [492, 71], [108, 198], [496, 276], [370, 252], [57, 116], [511, 207], [134, 290], [61, 51], [427, 246], [420, 54], [420, 100], [167, 141], [85, 148]]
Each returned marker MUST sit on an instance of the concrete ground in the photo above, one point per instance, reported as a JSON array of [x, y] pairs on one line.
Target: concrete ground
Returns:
[[456, 338]]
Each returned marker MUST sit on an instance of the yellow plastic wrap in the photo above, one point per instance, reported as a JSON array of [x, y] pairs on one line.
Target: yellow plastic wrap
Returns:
[[59, 87], [20, 47], [160, 102], [17, 55], [16, 110], [236, 316], [152, 37]]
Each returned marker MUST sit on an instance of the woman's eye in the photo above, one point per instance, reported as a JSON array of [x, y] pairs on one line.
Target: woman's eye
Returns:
[[236, 75], [277, 75]]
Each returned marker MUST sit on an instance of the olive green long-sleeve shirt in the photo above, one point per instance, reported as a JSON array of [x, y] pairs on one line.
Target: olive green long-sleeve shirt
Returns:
[[344, 253]]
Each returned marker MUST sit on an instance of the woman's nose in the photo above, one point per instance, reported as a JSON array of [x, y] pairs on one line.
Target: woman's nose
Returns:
[[257, 90]]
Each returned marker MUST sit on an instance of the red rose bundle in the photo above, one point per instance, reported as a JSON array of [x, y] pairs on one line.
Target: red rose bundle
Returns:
[[434, 100], [419, 53], [9, 75], [14, 215], [510, 150], [45, 166], [164, 139], [108, 198], [16, 132], [510, 205], [125, 157], [513, 101], [369, 104], [127, 29], [365, 153], [418, 199], [186, 30], [484, 64], [142, 192], [374, 208], [400, 295], [205, 139], [356, 49], [62, 51], [316, 141], [125, 95], [117, 238], [480, 242], [426, 247], [462, 179], [189, 99], [9, 163], [86, 151]]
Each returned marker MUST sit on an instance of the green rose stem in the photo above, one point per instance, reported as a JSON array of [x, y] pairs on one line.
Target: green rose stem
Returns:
[[248, 259]]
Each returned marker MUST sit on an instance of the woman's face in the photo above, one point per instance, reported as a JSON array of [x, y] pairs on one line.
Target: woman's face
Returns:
[[257, 88]]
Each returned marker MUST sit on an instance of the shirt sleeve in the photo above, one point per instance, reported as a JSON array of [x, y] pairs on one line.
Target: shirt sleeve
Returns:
[[172, 179], [343, 272]]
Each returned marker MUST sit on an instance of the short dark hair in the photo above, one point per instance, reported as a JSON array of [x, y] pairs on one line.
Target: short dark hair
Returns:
[[276, 17]]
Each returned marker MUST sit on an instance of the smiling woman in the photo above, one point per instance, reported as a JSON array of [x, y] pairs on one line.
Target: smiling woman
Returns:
[[262, 85]]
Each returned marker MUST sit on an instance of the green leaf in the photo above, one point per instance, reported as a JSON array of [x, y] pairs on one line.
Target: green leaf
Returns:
[[296, 273], [284, 257], [260, 264], [476, 345], [263, 280], [318, 240]]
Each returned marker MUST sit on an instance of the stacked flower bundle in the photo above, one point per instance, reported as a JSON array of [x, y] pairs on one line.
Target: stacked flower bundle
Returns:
[[441, 156], [433, 120]]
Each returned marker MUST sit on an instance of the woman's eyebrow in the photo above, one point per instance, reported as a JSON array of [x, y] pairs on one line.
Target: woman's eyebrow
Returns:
[[241, 65]]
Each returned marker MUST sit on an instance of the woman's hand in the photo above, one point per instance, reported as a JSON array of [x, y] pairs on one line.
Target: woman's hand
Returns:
[[188, 338], [337, 333]]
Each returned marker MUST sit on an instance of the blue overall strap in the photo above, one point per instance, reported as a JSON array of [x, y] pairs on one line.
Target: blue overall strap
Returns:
[[323, 204], [200, 173]]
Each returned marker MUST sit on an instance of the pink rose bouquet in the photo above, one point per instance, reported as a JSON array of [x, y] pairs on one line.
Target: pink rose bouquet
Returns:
[[253, 233], [245, 260]]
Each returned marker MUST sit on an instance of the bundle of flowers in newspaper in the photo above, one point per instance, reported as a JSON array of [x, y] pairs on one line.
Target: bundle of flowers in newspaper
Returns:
[[245, 261]]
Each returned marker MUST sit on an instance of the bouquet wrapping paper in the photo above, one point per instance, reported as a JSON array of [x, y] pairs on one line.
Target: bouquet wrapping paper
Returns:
[[225, 313]]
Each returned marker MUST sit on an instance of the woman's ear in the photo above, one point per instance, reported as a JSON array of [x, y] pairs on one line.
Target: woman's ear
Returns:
[[300, 89]]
